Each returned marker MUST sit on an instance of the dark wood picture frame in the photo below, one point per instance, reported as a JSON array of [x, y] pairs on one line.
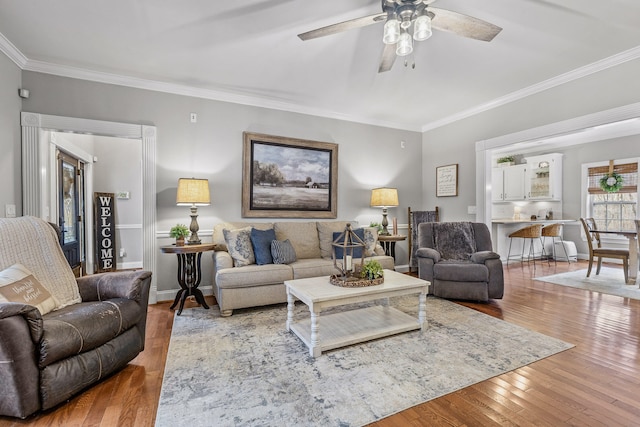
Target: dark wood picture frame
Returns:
[[288, 177], [447, 180]]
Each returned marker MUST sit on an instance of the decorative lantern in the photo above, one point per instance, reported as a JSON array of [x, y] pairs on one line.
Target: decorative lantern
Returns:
[[347, 248]]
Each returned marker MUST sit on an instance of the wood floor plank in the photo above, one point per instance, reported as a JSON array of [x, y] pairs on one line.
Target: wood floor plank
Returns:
[[596, 383]]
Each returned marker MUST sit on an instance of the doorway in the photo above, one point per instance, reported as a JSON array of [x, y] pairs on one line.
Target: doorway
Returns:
[[71, 210]]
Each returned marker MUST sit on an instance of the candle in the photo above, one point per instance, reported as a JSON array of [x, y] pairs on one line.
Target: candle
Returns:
[[395, 226], [348, 262]]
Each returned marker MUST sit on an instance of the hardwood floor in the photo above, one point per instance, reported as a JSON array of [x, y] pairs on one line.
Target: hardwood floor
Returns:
[[596, 383]]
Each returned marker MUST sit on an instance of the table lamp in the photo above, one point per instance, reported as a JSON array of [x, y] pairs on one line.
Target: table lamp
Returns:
[[193, 192], [384, 198]]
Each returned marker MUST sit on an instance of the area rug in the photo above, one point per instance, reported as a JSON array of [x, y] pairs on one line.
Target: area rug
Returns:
[[247, 370], [609, 281]]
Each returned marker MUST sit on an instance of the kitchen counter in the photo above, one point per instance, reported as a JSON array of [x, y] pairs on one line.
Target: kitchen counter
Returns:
[[531, 221]]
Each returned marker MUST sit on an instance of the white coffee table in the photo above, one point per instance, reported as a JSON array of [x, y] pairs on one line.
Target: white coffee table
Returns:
[[348, 327]]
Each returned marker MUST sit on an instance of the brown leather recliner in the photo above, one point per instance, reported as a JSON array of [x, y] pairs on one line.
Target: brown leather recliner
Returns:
[[46, 359]]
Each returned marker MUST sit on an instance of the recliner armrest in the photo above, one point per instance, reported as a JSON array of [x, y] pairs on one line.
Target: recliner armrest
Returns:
[[482, 256], [429, 253], [31, 316], [124, 284]]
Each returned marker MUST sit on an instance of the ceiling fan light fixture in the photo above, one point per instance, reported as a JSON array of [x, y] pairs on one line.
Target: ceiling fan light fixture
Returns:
[[405, 44], [391, 31], [422, 28]]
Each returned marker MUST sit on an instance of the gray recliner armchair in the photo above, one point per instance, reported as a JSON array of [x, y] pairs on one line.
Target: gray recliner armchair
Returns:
[[458, 259]]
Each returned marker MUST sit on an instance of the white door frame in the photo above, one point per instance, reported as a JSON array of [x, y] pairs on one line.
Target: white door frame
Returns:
[[36, 171]]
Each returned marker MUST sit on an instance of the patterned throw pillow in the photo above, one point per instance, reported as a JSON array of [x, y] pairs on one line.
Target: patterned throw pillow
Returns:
[[239, 246], [261, 241], [282, 252], [17, 284], [370, 241]]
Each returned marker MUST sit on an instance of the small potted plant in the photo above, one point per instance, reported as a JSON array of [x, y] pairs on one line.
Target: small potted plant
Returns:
[[179, 232], [371, 270], [506, 161]]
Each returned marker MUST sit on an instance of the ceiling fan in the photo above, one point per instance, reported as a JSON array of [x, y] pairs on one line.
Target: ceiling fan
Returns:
[[409, 20]]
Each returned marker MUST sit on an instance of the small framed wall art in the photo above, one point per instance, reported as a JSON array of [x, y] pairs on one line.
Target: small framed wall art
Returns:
[[447, 180]]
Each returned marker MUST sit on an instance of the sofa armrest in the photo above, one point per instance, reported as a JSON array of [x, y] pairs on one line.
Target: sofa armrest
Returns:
[[429, 253], [20, 333], [222, 259], [482, 257], [133, 285]]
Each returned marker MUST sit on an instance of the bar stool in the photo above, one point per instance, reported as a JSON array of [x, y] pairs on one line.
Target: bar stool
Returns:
[[530, 233], [554, 231]]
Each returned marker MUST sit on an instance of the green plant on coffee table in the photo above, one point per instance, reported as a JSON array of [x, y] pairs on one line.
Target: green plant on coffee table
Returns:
[[178, 231], [371, 270]]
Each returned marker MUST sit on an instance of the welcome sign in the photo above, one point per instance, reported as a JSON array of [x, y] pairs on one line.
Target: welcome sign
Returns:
[[105, 229]]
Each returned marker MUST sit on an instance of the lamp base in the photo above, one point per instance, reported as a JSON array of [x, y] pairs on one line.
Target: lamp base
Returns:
[[385, 223], [193, 227]]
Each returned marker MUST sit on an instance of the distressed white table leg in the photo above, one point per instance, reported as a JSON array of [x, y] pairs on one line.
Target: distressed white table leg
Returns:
[[422, 311], [314, 348], [633, 260], [290, 305]]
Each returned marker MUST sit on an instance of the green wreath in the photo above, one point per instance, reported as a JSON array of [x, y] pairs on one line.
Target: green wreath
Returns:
[[611, 183]]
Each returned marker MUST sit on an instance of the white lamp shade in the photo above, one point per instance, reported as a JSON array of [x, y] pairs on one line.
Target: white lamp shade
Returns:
[[422, 28], [384, 197], [405, 45], [391, 33], [192, 191]]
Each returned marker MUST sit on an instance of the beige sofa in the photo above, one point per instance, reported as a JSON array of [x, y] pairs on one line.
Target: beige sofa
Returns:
[[257, 285]]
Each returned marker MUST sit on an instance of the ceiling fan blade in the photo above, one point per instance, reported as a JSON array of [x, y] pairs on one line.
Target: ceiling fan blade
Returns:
[[343, 26], [463, 25], [388, 58]]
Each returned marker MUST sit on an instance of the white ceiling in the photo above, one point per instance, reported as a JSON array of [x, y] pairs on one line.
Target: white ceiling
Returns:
[[248, 51]]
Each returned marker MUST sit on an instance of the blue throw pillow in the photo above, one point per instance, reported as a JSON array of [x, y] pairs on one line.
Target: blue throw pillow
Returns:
[[261, 242], [357, 252], [282, 252]]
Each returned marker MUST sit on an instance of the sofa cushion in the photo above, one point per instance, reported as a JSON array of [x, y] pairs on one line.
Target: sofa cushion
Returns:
[[218, 233], [253, 275], [47, 264], [261, 242], [302, 235], [85, 326], [317, 267], [325, 235], [454, 240], [239, 246], [282, 252], [17, 284]]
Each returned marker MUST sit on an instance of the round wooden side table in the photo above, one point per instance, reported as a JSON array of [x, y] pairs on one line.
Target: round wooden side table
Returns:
[[388, 243], [189, 272]]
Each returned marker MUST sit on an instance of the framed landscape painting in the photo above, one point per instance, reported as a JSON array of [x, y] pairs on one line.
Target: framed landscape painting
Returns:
[[288, 178]]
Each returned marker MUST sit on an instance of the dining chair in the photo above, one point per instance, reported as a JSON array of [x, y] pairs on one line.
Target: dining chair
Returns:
[[596, 249]]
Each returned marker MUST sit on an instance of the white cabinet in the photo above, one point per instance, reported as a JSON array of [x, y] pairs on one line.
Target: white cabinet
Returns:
[[509, 183], [544, 177]]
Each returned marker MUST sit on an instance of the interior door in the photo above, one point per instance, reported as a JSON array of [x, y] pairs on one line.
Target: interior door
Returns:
[[71, 210]]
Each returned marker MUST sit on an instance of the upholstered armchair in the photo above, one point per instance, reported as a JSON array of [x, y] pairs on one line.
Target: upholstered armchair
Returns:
[[59, 334], [458, 259]]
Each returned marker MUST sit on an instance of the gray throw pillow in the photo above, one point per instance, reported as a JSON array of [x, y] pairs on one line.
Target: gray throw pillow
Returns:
[[282, 252]]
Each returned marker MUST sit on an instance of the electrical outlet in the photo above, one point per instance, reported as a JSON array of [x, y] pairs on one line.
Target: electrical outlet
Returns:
[[122, 253], [472, 210], [10, 211], [194, 117]]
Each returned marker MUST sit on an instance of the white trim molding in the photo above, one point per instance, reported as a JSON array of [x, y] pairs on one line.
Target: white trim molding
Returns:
[[36, 170]]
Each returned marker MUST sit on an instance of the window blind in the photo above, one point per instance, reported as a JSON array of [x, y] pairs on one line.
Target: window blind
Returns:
[[628, 172]]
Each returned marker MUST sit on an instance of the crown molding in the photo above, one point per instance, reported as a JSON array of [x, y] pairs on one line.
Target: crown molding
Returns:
[[217, 95], [578, 73], [12, 52]]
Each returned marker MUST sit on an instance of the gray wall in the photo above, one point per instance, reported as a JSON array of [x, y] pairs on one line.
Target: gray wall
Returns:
[[369, 156], [10, 161], [454, 143]]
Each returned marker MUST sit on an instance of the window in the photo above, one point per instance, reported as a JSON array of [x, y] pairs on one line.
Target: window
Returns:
[[613, 211]]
